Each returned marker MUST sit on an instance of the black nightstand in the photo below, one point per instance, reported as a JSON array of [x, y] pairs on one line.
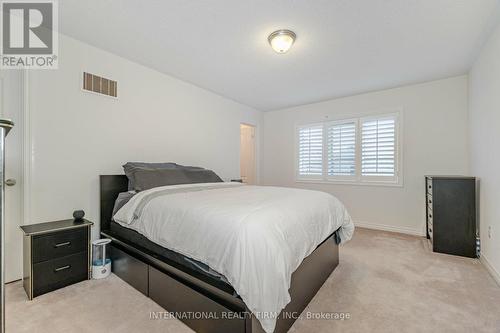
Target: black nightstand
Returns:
[[55, 254]]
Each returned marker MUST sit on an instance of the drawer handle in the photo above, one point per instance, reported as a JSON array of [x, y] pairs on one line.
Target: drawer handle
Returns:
[[430, 215], [430, 201], [63, 268], [62, 244]]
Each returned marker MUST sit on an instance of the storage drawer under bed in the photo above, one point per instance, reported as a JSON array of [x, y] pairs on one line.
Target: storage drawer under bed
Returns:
[[199, 312], [171, 294], [131, 270]]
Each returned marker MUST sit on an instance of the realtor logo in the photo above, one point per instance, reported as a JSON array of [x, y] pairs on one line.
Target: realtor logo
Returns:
[[29, 34]]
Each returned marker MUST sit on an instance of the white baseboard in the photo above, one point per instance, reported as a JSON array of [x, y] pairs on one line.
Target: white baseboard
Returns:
[[493, 272], [391, 228]]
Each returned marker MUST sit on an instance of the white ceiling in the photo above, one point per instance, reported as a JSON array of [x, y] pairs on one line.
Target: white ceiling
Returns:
[[343, 47]]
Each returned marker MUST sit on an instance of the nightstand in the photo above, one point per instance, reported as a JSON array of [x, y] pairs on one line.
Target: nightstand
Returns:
[[55, 254]]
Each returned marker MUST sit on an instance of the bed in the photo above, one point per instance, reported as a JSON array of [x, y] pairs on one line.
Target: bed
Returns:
[[188, 288]]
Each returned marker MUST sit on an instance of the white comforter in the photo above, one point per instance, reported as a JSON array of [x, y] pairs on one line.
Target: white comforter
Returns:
[[256, 236]]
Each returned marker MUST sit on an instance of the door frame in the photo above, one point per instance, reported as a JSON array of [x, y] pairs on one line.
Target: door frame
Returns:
[[21, 128], [255, 150], [27, 152]]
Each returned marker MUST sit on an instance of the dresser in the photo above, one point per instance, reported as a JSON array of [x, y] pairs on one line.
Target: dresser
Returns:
[[55, 254], [451, 214]]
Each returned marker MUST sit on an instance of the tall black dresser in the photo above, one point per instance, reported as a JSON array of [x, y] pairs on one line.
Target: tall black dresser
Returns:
[[451, 214]]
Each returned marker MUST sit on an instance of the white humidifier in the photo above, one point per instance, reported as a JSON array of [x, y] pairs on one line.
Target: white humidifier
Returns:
[[101, 262]]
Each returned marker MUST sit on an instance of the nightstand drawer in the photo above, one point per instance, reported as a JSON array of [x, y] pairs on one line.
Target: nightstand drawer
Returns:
[[57, 273], [59, 244]]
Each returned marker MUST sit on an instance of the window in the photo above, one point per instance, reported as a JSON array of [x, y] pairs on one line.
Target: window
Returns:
[[363, 150], [310, 151], [378, 147], [341, 150]]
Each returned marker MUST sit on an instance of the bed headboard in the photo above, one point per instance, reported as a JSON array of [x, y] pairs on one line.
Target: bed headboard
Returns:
[[110, 187]]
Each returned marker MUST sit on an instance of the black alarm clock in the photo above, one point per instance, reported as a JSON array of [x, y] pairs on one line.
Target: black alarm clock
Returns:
[[78, 215]]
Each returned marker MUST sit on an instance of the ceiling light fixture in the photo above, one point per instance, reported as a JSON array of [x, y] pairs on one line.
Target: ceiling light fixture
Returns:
[[281, 40]]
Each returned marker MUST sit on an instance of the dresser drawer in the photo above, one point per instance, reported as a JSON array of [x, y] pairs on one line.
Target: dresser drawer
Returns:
[[57, 273], [59, 244]]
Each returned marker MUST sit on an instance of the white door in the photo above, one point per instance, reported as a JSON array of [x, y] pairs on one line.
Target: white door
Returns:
[[247, 153], [11, 101]]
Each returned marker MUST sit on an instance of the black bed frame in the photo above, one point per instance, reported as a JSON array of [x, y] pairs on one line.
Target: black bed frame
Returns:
[[200, 305]]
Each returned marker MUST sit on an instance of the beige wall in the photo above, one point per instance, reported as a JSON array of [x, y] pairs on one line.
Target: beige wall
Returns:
[[434, 135], [484, 117], [76, 135]]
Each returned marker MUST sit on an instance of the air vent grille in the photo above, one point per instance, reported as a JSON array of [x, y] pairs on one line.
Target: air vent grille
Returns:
[[99, 85]]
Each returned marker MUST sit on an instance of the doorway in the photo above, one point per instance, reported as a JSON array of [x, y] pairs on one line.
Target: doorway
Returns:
[[11, 104], [247, 154]]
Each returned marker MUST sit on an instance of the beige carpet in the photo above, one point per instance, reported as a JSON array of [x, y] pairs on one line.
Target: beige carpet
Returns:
[[386, 282]]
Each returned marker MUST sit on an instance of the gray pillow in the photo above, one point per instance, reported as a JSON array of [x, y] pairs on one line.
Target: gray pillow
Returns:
[[122, 199], [202, 176], [146, 179], [131, 167]]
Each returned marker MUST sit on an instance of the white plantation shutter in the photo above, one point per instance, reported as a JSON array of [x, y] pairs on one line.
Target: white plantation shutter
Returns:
[[341, 149], [310, 153], [359, 151], [378, 147]]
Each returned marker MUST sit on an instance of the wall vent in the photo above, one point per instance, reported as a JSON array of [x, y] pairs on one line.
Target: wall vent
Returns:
[[100, 85]]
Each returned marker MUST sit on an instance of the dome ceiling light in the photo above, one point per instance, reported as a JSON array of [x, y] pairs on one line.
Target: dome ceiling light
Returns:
[[281, 40]]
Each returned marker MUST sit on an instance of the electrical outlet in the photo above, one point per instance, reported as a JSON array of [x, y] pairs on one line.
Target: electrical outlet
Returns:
[[489, 231]]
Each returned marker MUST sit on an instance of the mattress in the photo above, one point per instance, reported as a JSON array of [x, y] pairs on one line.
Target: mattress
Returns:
[[177, 260]]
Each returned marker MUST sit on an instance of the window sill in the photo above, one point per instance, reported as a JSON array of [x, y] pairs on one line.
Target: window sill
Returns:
[[349, 183]]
